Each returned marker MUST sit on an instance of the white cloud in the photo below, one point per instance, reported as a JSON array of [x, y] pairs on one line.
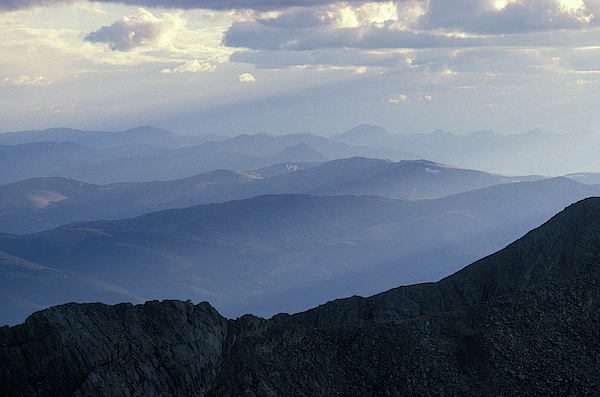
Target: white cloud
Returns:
[[398, 99], [247, 78], [26, 80], [192, 67], [141, 30]]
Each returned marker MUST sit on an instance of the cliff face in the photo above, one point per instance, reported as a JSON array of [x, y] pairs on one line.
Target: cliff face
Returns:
[[98, 350], [524, 321]]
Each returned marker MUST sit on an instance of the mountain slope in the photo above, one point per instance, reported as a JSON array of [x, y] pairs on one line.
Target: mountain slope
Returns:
[[565, 249], [282, 252], [536, 335]]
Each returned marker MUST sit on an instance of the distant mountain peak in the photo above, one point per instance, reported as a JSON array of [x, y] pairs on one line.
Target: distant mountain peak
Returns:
[[363, 135], [483, 134], [300, 153], [536, 132], [441, 133]]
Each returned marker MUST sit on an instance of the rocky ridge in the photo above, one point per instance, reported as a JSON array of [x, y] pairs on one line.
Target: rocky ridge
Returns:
[[524, 321]]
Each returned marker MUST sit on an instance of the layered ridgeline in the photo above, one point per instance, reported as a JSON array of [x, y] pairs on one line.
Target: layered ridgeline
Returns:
[[147, 154], [523, 321], [274, 253], [39, 204], [532, 152]]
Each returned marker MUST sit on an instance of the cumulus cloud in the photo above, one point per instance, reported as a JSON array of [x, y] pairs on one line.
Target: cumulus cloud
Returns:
[[508, 16], [367, 25], [398, 99], [141, 30], [300, 36], [192, 67], [247, 78]]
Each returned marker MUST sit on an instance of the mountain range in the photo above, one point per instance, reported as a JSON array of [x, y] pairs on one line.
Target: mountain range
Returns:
[[272, 253], [533, 152], [39, 204], [142, 136], [147, 154], [523, 320], [299, 224]]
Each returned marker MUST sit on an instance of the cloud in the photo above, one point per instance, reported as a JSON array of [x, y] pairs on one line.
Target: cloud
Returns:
[[261, 5], [508, 16], [398, 98], [247, 78], [259, 36], [349, 33], [141, 30], [192, 67], [26, 80]]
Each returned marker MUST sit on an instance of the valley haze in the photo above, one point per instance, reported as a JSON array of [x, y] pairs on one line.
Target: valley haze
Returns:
[[265, 224]]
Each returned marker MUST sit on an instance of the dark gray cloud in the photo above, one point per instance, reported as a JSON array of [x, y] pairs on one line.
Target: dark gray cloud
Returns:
[[12, 5], [472, 23], [478, 16], [259, 5]]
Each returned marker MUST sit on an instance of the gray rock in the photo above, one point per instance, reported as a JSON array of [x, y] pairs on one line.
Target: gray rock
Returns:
[[100, 350]]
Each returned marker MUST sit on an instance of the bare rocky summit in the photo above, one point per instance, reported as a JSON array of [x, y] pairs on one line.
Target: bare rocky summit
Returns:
[[524, 321]]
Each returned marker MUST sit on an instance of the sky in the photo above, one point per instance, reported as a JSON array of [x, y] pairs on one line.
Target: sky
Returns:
[[320, 66]]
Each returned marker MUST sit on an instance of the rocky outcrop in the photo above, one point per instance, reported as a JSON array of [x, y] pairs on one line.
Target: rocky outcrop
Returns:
[[524, 321], [543, 342], [166, 348]]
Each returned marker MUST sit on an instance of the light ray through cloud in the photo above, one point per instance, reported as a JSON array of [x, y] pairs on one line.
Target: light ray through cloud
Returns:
[[113, 65]]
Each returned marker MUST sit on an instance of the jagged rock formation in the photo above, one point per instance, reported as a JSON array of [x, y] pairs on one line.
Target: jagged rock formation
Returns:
[[524, 321], [94, 349]]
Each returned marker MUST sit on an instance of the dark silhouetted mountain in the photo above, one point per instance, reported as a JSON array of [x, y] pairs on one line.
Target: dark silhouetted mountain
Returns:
[[521, 321], [563, 250], [45, 203], [279, 252]]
